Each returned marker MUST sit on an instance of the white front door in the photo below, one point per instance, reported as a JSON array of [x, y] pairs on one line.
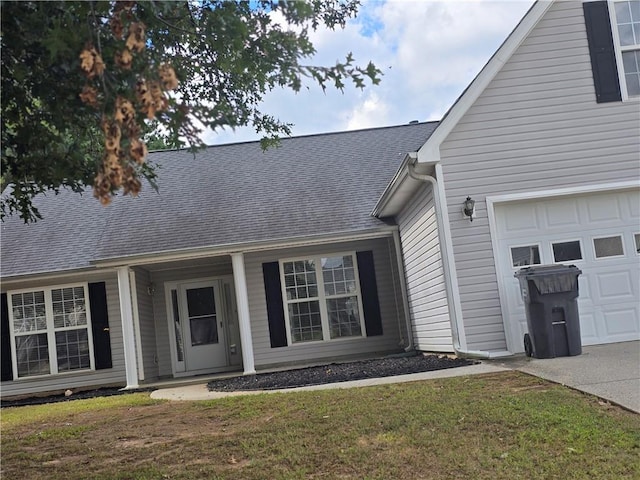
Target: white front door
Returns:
[[597, 232], [202, 328]]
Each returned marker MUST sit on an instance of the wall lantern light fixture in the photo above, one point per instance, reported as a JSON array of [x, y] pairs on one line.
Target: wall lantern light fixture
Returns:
[[469, 208]]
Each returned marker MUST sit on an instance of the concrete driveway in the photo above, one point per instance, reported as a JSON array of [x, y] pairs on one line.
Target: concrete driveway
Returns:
[[609, 371]]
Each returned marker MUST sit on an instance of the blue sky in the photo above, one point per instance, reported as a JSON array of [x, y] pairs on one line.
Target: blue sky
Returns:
[[428, 50]]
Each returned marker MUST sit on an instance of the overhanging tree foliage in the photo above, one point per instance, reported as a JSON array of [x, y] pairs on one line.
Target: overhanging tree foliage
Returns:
[[86, 85]]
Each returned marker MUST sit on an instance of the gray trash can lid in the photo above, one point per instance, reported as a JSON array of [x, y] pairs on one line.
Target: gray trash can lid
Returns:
[[551, 278]]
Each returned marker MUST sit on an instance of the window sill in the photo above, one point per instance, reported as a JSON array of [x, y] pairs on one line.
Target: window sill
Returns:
[[78, 373]]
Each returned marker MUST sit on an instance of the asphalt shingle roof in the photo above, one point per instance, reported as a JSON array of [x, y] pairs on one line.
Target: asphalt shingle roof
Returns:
[[227, 194]]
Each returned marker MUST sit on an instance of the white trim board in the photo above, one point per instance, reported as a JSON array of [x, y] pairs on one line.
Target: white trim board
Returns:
[[560, 192], [430, 151]]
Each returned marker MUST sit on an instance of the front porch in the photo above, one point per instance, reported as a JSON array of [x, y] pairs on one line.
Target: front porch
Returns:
[[186, 319]]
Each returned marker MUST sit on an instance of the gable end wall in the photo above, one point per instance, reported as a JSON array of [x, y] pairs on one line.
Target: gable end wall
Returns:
[[536, 127]]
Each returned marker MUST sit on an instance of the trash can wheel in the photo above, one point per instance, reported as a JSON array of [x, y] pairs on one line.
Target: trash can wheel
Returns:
[[528, 346]]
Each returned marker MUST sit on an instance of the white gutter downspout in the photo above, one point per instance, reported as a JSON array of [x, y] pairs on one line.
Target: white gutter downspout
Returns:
[[403, 291], [455, 310]]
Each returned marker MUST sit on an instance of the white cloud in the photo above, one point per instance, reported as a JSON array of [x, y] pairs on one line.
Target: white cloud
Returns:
[[429, 51], [371, 112]]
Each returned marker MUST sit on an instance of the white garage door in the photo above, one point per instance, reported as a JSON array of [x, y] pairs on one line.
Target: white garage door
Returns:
[[597, 232]]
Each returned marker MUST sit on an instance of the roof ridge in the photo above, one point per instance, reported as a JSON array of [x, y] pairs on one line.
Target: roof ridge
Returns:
[[307, 135]]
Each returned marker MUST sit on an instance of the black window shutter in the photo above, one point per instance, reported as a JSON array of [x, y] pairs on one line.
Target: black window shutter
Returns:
[[7, 367], [602, 52], [275, 307], [100, 325], [369, 290]]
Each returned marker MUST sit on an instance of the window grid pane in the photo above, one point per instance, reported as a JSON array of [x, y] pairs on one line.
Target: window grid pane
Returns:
[[631, 65], [344, 318], [338, 275], [69, 308], [32, 353], [28, 312], [72, 350], [300, 279], [305, 320], [628, 22]]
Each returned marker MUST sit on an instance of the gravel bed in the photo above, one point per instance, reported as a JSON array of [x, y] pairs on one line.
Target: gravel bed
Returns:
[[338, 372], [331, 373]]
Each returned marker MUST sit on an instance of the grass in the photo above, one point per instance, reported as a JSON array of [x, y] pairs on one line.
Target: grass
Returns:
[[499, 426]]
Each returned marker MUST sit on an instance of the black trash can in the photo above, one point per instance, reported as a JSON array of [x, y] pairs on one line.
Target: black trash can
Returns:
[[550, 294]]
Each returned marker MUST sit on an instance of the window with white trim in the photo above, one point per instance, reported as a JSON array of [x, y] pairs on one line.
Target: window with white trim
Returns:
[[566, 251], [526, 255], [625, 17], [604, 247], [322, 298], [50, 330]]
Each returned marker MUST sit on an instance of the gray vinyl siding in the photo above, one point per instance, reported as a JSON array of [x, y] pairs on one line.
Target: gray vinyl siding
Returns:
[[536, 127], [147, 324], [163, 347], [76, 380], [426, 286], [389, 295]]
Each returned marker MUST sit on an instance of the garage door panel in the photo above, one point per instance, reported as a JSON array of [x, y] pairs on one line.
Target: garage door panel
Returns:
[[603, 209], [521, 220], [609, 286], [562, 215], [614, 286], [621, 322], [634, 208]]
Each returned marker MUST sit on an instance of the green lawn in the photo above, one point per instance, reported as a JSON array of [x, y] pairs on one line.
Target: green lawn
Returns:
[[499, 426]]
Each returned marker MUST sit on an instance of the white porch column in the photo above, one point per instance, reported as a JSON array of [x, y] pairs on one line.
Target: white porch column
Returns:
[[242, 300], [128, 335]]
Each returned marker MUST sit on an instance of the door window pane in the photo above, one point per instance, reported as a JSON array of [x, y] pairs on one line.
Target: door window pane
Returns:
[[608, 247], [204, 330], [201, 309], [177, 326], [522, 256], [637, 239], [200, 301], [567, 251]]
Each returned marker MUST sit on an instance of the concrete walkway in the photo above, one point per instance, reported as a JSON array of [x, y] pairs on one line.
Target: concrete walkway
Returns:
[[200, 392], [608, 371]]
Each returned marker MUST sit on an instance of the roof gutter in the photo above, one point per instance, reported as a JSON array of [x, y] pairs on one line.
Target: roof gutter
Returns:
[[446, 251]]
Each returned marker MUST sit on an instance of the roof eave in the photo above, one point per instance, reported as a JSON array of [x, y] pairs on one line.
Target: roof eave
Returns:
[[246, 247]]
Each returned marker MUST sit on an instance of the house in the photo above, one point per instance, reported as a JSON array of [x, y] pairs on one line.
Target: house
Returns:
[[546, 141], [243, 259], [352, 243]]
